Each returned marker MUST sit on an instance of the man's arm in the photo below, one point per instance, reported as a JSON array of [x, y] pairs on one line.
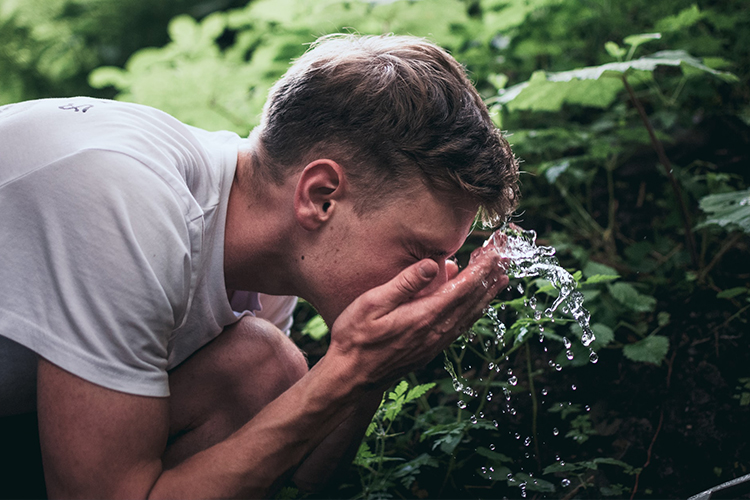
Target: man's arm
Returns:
[[102, 443]]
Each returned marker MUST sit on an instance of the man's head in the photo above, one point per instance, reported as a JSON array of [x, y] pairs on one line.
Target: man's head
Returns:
[[396, 113]]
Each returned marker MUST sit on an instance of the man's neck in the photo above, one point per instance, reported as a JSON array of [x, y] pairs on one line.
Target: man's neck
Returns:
[[259, 235]]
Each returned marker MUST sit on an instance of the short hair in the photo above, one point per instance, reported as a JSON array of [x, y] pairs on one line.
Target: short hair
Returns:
[[391, 110]]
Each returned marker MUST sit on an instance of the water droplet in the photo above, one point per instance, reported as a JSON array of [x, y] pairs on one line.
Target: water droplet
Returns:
[[480, 414], [491, 366], [565, 482], [587, 408], [517, 435], [593, 357], [527, 441], [569, 354], [532, 302], [573, 386], [489, 396], [512, 411], [494, 422], [520, 288], [558, 367], [555, 431], [461, 404], [567, 342], [513, 380], [545, 392], [473, 419], [492, 447]]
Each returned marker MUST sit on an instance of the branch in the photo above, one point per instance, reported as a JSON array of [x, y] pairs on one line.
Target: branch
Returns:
[[659, 148]]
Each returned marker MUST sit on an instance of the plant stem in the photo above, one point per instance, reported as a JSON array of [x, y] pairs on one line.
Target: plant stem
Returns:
[[534, 406], [659, 148]]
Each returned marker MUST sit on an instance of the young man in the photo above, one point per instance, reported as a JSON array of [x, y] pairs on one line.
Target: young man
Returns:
[[129, 240]]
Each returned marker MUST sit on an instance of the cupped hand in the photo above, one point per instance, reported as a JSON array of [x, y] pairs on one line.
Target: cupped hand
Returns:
[[393, 329]]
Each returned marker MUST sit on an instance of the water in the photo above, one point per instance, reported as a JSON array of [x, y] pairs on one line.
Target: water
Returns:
[[526, 259]]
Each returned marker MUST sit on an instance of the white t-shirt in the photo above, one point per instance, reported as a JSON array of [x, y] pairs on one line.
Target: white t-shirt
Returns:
[[111, 240]]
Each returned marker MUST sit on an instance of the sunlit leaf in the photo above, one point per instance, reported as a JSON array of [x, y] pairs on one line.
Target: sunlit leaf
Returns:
[[585, 87], [316, 328], [731, 210], [418, 391]]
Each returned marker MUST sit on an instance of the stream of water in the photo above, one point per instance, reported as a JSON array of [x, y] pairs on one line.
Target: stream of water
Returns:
[[526, 259]]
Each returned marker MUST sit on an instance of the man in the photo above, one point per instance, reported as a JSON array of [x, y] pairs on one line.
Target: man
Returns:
[[128, 237]]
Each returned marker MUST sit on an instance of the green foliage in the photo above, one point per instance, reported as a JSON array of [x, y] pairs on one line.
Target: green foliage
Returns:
[[48, 47], [730, 210], [743, 391], [316, 328], [378, 471], [553, 73], [549, 91], [651, 349]]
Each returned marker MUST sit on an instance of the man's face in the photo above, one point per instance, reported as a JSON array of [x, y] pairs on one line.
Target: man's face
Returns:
[[360, 253]]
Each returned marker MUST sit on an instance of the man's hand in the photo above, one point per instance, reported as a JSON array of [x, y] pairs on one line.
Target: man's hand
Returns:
[[394, 328]]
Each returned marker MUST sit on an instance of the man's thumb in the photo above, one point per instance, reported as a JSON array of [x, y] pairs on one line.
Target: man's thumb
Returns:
[[411, 281]]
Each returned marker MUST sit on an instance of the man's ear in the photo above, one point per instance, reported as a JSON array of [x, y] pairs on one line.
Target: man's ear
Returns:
[[320, 187]]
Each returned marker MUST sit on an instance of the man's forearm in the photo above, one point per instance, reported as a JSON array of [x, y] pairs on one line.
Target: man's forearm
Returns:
[[248, 463], [338, 448]]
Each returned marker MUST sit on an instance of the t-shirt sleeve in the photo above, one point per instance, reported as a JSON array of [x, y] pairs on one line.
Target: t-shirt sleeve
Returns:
[[96, 268], [278, 310]]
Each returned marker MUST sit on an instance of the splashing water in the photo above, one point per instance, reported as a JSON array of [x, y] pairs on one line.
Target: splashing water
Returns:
[[526, 259]]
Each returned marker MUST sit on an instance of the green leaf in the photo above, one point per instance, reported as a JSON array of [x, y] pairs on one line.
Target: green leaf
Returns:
[[728, 209], [418, 391], [399, 390], [652, 349], [499, 474], [108, 75], [592, 268], [542, 94], [663, 318], [636, 40], [600, 278], [364, 456], [680, 21], [731, 292], [585, 86], [615, 50], [316, 328], [493, 455], [553, 171], [604, 335], [627, 295]]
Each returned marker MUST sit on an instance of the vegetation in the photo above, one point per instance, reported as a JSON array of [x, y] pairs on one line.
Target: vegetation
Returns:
[[633, 123]]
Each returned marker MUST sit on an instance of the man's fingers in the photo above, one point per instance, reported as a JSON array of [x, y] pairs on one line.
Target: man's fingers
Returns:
[[451, 268], [407, 284]]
